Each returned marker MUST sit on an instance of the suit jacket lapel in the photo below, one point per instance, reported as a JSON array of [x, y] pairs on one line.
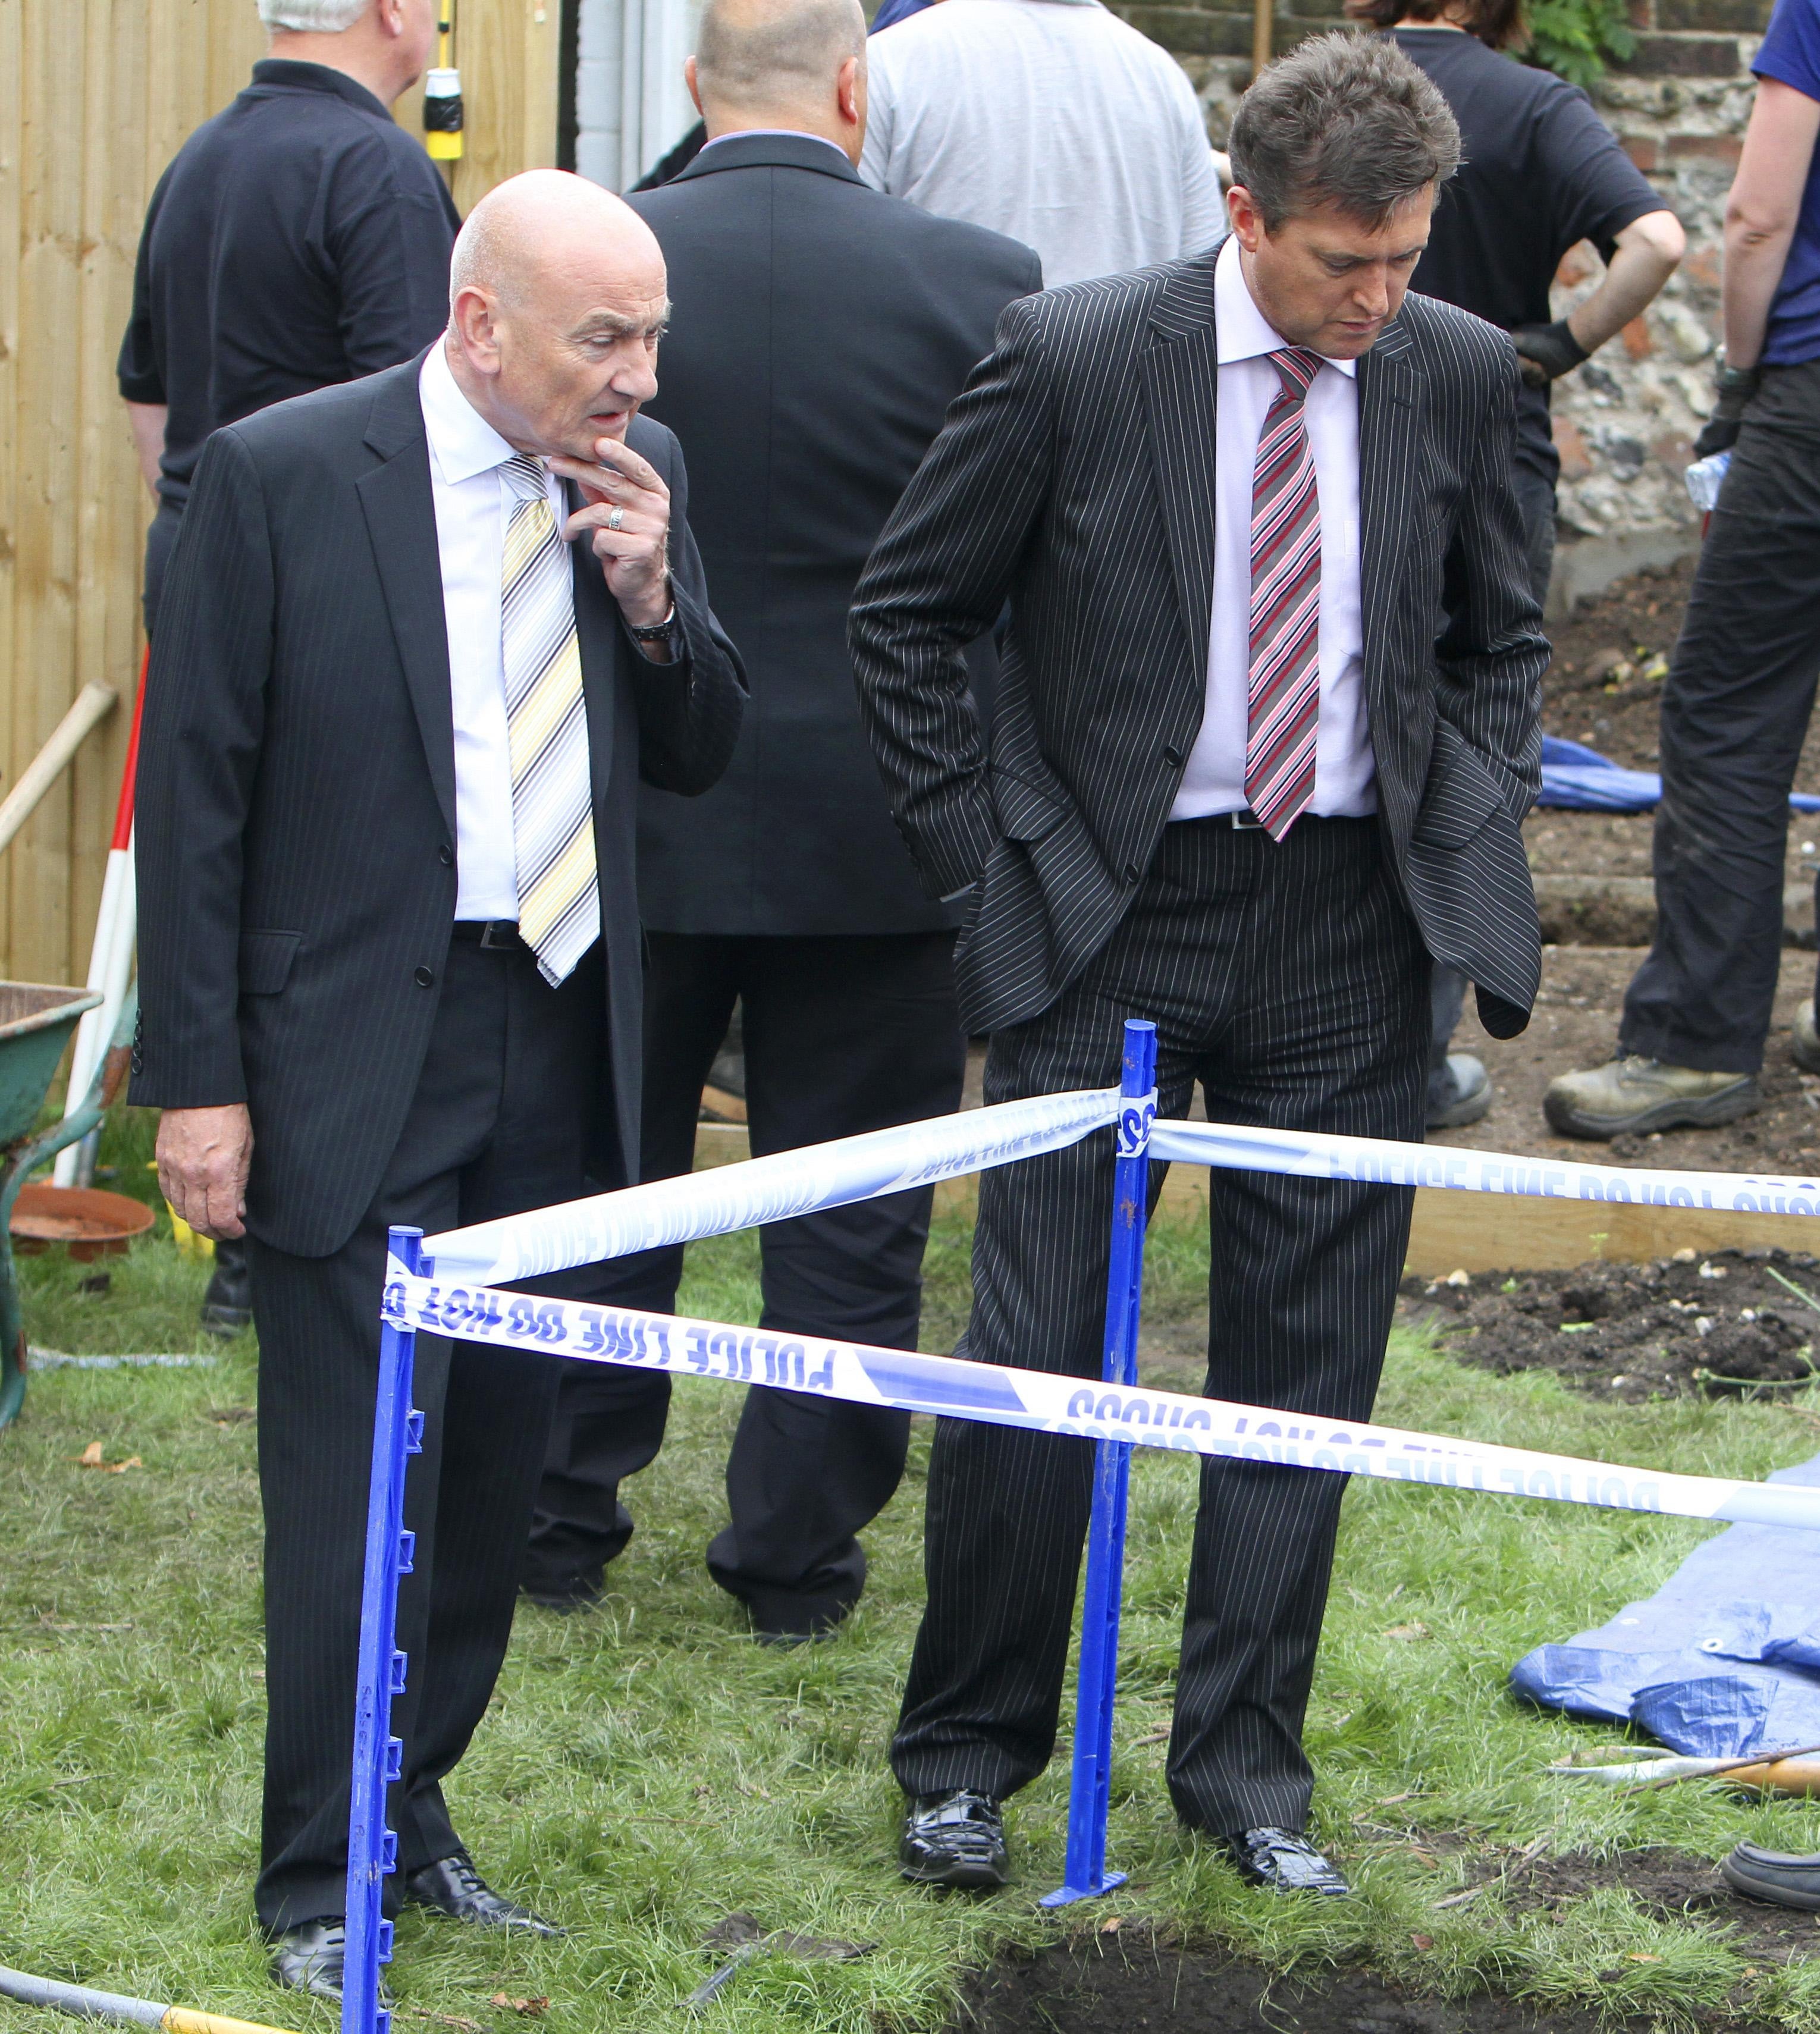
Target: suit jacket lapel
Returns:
[[401, 512], [1180, 372], [1392, 399], [597, 638]]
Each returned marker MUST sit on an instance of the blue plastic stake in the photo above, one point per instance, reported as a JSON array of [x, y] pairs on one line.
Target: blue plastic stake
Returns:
[[372, 1848], [1087, 1876]]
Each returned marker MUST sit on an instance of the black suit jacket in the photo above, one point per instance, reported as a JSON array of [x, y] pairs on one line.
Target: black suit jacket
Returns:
[[296, 800], [819, 330], [1076, 477]]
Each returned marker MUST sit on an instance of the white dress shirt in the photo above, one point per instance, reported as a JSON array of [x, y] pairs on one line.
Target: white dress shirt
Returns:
[[473, 507], [1051, 120], [1346, 771]]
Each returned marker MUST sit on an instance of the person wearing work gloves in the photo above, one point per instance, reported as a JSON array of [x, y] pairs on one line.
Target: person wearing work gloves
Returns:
[[1740, 687], [1540, 171]]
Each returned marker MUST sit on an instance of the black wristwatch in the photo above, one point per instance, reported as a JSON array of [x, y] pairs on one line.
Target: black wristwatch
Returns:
[[654, 632]]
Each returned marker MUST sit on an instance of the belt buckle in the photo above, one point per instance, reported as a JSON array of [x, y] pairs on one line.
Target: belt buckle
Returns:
[[501, 926], [1245, 822]]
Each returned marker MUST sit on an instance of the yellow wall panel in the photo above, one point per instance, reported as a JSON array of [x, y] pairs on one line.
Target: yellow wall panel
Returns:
[[95, 96]]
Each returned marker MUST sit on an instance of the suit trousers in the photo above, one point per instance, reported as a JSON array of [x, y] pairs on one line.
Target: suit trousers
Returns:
[[498, 1124], [1290, 980], [842, 1034], [1736, 707]]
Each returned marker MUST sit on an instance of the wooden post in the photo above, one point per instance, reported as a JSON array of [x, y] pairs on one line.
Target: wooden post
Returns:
[[1264, 24]]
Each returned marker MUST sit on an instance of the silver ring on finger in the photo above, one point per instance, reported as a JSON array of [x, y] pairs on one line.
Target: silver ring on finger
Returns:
[[617, 520]]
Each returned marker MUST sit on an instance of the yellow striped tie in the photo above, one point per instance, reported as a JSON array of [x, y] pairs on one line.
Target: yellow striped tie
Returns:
[[552, 797]]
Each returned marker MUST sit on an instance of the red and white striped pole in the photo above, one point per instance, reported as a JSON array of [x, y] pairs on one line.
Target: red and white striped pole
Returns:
[[110, 961]]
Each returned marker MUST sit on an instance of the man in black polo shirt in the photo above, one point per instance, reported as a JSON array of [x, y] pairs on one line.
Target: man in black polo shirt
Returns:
[[300, 239], [1540, 171]]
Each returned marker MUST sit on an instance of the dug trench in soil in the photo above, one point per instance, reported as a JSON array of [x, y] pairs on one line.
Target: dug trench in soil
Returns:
[[1117, 1983]]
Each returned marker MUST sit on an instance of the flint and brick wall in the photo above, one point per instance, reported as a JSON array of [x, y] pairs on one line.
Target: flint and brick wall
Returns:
[[1624, 422]]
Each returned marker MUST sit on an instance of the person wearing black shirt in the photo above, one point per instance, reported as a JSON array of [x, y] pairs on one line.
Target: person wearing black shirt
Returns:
[[1540, 171], [298, 239]]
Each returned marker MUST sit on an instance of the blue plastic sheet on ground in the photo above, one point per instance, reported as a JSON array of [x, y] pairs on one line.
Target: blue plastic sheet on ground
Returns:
[[1581, 780], [1710, 1664]]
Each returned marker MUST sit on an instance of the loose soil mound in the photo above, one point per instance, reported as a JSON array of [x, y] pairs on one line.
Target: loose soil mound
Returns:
[[1724, 1325]]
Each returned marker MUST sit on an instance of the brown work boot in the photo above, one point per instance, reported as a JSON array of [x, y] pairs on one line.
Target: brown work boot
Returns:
[[1631, 1093]]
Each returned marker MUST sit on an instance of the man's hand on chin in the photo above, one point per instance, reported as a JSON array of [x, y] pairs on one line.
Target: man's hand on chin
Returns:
[[203, 1155], [627, 522]]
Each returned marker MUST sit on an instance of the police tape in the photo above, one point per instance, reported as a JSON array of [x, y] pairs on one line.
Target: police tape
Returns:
[[1042, 1402], [1377, 1162], [772, 1189]]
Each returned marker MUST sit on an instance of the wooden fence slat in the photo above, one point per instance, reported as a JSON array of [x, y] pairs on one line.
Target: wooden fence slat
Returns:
[[95, 96]]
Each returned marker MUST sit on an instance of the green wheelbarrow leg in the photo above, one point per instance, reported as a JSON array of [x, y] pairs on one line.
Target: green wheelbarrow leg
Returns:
[[30, 1047]]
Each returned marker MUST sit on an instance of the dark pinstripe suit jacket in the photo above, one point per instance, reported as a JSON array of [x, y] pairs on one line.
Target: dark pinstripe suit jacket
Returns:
[[296, 801], [1075, 477]]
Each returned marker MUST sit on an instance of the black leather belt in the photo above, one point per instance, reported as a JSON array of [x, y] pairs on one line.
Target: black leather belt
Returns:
[[495, 934]]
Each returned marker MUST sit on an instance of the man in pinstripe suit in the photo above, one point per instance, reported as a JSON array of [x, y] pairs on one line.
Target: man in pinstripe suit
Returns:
[[1266, 731]]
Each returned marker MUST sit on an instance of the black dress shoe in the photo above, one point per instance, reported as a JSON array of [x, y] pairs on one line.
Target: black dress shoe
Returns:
[[1282, 1861], [227, 1304], [453, 1887], [312, 1958], [565, 1596], [956, 1839], [1774, 1875]]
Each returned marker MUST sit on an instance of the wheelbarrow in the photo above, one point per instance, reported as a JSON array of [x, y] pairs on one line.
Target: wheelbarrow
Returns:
[[36, 1022]]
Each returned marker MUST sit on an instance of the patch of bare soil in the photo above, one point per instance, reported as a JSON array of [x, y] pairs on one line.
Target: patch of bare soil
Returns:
[[1604, 687], [1576, 1025], [1728, 1325], [1134, 1979]]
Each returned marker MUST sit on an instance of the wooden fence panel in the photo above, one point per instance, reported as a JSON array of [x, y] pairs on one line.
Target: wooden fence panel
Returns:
[[95, 96]]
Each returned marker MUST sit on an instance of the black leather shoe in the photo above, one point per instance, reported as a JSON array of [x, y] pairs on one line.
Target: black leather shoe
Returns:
[[955, 1839], [1774, 1875], [564, 1596], [453, 1887], [312, 1958], [1282, 1861], [227, 1304]]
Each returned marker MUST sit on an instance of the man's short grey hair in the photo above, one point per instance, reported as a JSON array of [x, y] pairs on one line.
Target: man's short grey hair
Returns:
[[760, 53], [1346, 120], [320, 17]]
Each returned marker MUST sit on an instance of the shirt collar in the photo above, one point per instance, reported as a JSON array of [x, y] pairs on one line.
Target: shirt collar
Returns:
[[1241, 331], [290, 74], [462, 442], [794, 134]]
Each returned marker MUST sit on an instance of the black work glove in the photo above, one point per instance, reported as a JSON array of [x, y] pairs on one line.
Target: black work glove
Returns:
[[1736, 386], [1546, 352]]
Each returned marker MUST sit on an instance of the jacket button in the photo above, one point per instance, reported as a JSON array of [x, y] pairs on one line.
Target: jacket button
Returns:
[[1132, 871], [1174, 756], [425, 978], [445, 854]]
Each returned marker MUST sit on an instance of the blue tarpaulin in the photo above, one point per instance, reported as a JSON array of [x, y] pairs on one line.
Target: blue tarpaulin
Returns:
[[1724, 1658], [1581, 780]]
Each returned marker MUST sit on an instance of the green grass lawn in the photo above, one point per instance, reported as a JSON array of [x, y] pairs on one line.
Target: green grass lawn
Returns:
[[648, 1768]]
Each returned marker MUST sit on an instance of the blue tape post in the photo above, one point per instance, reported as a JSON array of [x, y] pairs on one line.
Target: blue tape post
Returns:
[[372, 1848], [1086, 1876]]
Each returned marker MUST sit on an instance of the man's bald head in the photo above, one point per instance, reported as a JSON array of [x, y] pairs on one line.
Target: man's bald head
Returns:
[[764, 59], [536, 230], [557, 302]]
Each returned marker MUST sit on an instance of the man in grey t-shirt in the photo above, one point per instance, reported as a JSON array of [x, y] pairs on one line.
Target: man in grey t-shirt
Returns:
[[1052, 120]]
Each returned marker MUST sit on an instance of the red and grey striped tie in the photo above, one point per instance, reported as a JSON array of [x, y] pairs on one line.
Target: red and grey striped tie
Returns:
[[1285, 689]]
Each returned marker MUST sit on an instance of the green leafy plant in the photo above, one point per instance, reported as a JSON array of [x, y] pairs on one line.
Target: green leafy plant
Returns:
[[1576, 38]]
